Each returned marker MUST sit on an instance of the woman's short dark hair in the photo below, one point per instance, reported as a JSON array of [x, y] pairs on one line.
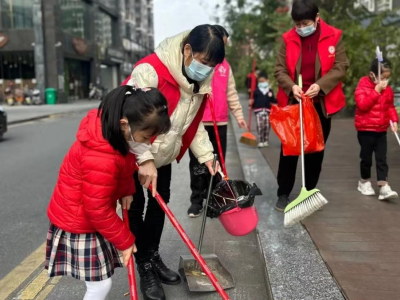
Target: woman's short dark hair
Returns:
[[385, 63], [304, 10], [145, 109], [222, 30], [208, 40]]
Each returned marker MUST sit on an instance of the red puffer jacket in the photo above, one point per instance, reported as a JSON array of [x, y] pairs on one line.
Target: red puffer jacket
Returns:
[[93, 176], [374, 111]]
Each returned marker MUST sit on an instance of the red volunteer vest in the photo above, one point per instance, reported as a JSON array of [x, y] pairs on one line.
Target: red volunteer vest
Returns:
[[170, 89], [219, 93], [328, 40]]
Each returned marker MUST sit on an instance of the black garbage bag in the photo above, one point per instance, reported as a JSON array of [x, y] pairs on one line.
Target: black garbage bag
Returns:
[[227, 194]]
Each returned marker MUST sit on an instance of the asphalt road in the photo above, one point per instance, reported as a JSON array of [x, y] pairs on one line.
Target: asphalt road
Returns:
[[30, 157]]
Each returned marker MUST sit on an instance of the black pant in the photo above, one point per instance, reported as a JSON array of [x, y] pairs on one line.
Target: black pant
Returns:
[[148, 231], [373, 142], [313, 163], [199, 183]]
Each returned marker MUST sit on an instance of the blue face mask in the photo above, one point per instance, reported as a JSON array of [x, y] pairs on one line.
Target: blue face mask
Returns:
[[263, 85], [197, 71], [306, 31]]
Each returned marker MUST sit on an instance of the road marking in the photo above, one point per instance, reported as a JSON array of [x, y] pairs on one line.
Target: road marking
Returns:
[[35, 286], [43, 295], [21, 272]]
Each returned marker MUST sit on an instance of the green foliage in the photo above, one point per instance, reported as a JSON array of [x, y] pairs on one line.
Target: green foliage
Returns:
[[264, 22]]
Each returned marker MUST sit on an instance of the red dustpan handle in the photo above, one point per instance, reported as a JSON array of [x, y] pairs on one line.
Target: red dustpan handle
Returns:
[[131, 266], [191, 247], [221, 156]]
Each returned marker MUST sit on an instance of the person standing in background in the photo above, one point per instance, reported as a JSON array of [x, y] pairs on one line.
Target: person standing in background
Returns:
[[263, 100], [225, 97]]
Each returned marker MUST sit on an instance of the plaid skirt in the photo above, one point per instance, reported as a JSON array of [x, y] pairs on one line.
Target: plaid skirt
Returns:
[[86, 256]]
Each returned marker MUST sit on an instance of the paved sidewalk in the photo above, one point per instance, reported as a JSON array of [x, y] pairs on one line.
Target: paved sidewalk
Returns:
[[357, 236], [20, 114], [294, 266], [240, 255]]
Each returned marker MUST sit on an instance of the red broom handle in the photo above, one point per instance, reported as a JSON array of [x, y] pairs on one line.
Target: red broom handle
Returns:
[[131, 264], [191, 247], [221, 156], [253, 70]]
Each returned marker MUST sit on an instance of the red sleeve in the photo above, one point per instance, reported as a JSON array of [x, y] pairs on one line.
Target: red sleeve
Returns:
[[100, 181], [365, 98]]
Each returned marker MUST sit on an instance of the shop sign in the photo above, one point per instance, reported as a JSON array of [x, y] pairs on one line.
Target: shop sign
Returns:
[[80, 45], [115, 53], [3, 39]]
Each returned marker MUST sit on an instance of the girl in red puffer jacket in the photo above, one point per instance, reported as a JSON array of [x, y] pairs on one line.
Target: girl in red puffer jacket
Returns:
[[85, 231], [375, 109]]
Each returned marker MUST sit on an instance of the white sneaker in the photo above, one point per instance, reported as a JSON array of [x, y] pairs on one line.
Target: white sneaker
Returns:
[[260, 145], [266, 144], [386, 193], [366, 188]]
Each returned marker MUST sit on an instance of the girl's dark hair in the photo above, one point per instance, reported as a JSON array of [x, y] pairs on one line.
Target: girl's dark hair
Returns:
[[208, 40], [304, 10], [144, 110], [222, 30], [386, 64]]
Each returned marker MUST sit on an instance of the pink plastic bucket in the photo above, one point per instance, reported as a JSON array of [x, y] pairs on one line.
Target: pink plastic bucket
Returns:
[[239, 221]]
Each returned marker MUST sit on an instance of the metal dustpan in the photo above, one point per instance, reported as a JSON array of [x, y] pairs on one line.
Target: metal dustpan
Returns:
[[190, 270], [197, 280]]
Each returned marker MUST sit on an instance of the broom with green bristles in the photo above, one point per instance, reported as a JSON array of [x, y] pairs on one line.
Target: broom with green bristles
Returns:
[[307, 202]]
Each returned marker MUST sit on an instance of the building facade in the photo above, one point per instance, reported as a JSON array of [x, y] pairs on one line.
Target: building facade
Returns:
[[379, 5], [68, 44]]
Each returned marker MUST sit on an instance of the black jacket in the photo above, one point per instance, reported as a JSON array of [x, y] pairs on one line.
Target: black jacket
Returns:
[[263, 101]]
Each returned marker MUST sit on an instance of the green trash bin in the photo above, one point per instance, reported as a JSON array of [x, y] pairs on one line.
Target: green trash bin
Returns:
[[51, 96]]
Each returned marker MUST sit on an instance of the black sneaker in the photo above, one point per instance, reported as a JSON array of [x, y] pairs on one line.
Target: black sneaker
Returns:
[[282, 202], [194, 210]]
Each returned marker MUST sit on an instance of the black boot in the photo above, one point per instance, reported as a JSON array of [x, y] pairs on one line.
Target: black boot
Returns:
[[150, 284], [166, 275]]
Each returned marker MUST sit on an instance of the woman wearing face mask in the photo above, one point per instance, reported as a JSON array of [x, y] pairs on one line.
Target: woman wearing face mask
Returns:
[[315, 50], [180, 68]]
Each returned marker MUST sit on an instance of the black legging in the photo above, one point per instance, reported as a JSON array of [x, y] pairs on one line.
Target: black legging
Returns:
[[148, 231]]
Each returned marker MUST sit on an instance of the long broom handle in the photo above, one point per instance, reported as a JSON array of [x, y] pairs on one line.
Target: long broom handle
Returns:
[[396, 134], [203, 224], [131, 264], [253, 69], [191, 247], [303, 173], [221, 156]]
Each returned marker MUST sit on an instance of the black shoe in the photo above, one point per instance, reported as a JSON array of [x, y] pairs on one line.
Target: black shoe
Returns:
[[194, 211], [150, 284], [283, 201], [166, 275]]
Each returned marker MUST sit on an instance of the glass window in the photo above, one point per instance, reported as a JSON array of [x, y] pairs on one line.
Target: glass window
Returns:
[[16, 14], [75, 18], [103, 24], [17, 65]]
